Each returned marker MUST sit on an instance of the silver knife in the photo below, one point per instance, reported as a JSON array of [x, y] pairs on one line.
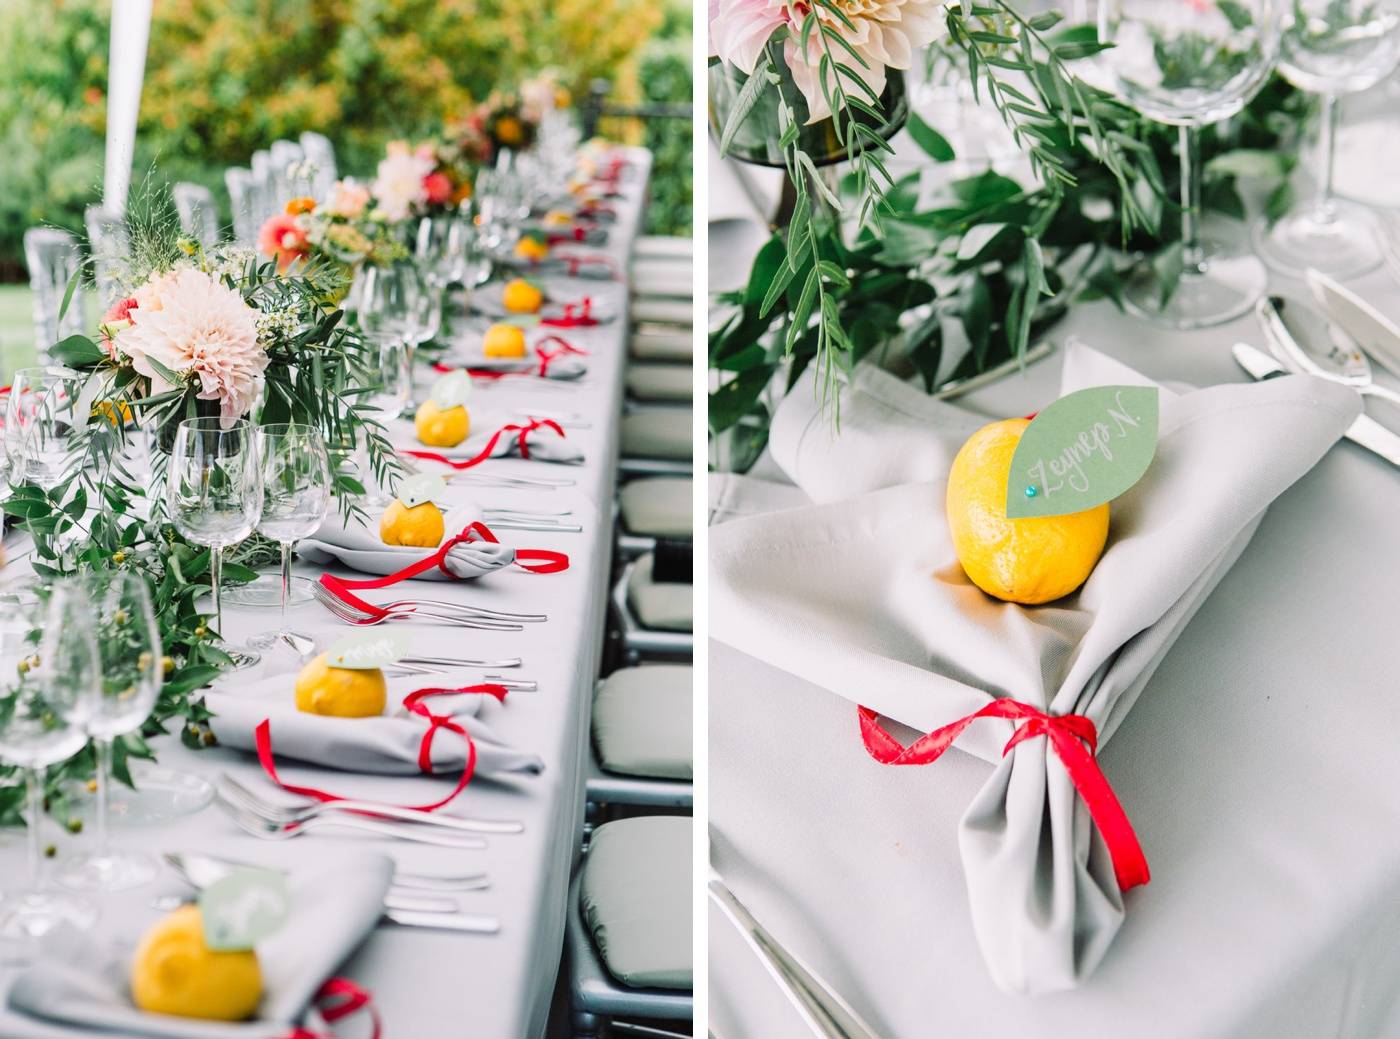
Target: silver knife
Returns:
[[1373, 331], [1365, 431]]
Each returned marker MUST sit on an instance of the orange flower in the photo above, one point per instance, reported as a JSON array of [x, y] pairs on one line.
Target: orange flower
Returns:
[[297, 206], [283, 237]]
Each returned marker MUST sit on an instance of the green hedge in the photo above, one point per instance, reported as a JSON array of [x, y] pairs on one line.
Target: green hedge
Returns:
[[226, 77]]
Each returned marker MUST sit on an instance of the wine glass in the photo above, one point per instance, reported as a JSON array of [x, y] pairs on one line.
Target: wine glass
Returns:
[[39, 657], [213, 493], [116, 606], [1188, 63], [389, 378], [296, 495], [1331, 47], [39, 424]]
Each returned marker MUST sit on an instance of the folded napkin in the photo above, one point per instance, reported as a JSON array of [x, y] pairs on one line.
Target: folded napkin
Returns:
[[542, 439], [335, 905], [360, 547], [564, 298], [554, 358], [864, 596], [388, 745], [591, 266]]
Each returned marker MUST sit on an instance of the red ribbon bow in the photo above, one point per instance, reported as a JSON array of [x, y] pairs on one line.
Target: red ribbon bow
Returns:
[[547, 357], [338, 999], [576, 263], [584, 316], [578, 234], [522, 442], [1075, 740], [535, 560], [262, 739]]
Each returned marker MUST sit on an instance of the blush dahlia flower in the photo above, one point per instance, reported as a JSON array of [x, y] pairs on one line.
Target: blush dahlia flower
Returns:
[[205, 332], [885, 33]]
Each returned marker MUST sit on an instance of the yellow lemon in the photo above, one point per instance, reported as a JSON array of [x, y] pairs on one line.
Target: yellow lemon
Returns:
[[557, 218], [111, 411], [340, 692], [504, 340], [439, 427], [175, 972], [1029, 561], [531, 248], [420, 526], [520, 297]]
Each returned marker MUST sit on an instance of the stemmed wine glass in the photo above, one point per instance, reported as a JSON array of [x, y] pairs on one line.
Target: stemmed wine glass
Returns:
[[40, 658], [213, 493], [296, 495], [1189, 63], [116, 606], [39, 424], [1331, 47]]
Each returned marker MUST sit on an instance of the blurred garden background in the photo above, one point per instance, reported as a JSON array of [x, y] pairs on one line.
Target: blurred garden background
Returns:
[[226, 77]]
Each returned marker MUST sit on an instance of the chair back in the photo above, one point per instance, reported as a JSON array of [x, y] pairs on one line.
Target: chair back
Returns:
[[243, 197], [110, 246], [320, 154], [199, 216], [53, 256]]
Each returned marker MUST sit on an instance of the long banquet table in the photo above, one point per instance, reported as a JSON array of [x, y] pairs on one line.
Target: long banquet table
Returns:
[[1257, 766], [434, 982]]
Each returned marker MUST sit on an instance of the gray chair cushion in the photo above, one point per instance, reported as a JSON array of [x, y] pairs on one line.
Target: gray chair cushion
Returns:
[[667, 311], [658, 507], [657, 433], [660, 607], [635, 899], [660, 381], [641, 721], [669, 346], [665, 279], [664, 247]]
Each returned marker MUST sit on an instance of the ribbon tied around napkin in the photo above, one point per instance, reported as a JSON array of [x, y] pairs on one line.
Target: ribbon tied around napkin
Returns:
[[515, 438]]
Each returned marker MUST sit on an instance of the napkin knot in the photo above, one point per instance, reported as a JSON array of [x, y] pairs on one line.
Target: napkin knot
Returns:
[[547, 357], [535, 560], [522, 433], [338, 999], [1074, 739], [575, 315]]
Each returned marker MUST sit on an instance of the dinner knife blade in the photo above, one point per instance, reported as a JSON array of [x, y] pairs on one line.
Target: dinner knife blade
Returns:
[[1365, 431], [1376, 334]]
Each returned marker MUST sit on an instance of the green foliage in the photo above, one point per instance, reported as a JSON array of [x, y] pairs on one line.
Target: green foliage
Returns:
[[666, 78], [227, 77]]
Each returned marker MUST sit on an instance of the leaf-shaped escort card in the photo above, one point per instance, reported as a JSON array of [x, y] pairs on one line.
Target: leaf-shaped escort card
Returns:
[[452, 389], [242, 908], [1083, 450], [419, 488], [368, 650]]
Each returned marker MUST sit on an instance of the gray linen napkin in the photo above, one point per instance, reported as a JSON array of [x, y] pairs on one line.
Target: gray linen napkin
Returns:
[[335, 905], [360, 547], [864, 596]]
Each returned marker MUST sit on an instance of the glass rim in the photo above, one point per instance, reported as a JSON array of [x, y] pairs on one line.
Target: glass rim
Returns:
[[214, 424]]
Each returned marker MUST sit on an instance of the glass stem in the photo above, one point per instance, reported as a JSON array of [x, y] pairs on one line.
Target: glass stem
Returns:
[[216, 578], [286, 579], [1193, 258], [34, 812], [103, 745], [1324, 212]]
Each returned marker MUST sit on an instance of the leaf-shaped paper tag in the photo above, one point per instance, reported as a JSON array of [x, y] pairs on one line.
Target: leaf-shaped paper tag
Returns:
[[366, 651], [452, 389], [242, 908], [1083, 450], [420, 487]]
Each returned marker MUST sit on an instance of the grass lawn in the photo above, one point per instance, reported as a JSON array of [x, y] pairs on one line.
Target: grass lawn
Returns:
[[16, 330]]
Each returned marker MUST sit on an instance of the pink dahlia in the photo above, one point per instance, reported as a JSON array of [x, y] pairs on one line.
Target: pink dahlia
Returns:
[[204, 332], [398, 185]]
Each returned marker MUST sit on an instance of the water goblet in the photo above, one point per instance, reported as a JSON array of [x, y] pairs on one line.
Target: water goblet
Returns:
[[1189, 63], [213, 494], [115, 606], [39, 656], [296, 495], [1331, 47], [39, 425]]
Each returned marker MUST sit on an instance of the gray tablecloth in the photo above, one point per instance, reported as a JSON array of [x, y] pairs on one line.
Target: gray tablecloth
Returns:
[[1255, 767], [440, 983]]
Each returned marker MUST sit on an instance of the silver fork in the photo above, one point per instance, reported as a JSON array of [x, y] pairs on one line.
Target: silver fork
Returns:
[[302, 813], [354, 615], [269, 829], [451, 607]]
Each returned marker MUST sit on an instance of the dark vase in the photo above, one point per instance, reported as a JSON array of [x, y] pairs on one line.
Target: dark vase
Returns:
[[757, 138], [165, 436]]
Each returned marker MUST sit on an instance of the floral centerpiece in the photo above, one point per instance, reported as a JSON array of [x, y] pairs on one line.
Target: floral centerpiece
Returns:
[[340, 234], [507, 121], [433, 178]]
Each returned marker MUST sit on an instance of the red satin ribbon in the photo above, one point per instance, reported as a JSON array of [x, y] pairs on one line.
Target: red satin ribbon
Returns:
[[262, 738], [591, 208], [570, 319], [338, 999], [578, 234], [576, 263], [1074, 739], [547, 357], [535, 560], [522, 442]]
